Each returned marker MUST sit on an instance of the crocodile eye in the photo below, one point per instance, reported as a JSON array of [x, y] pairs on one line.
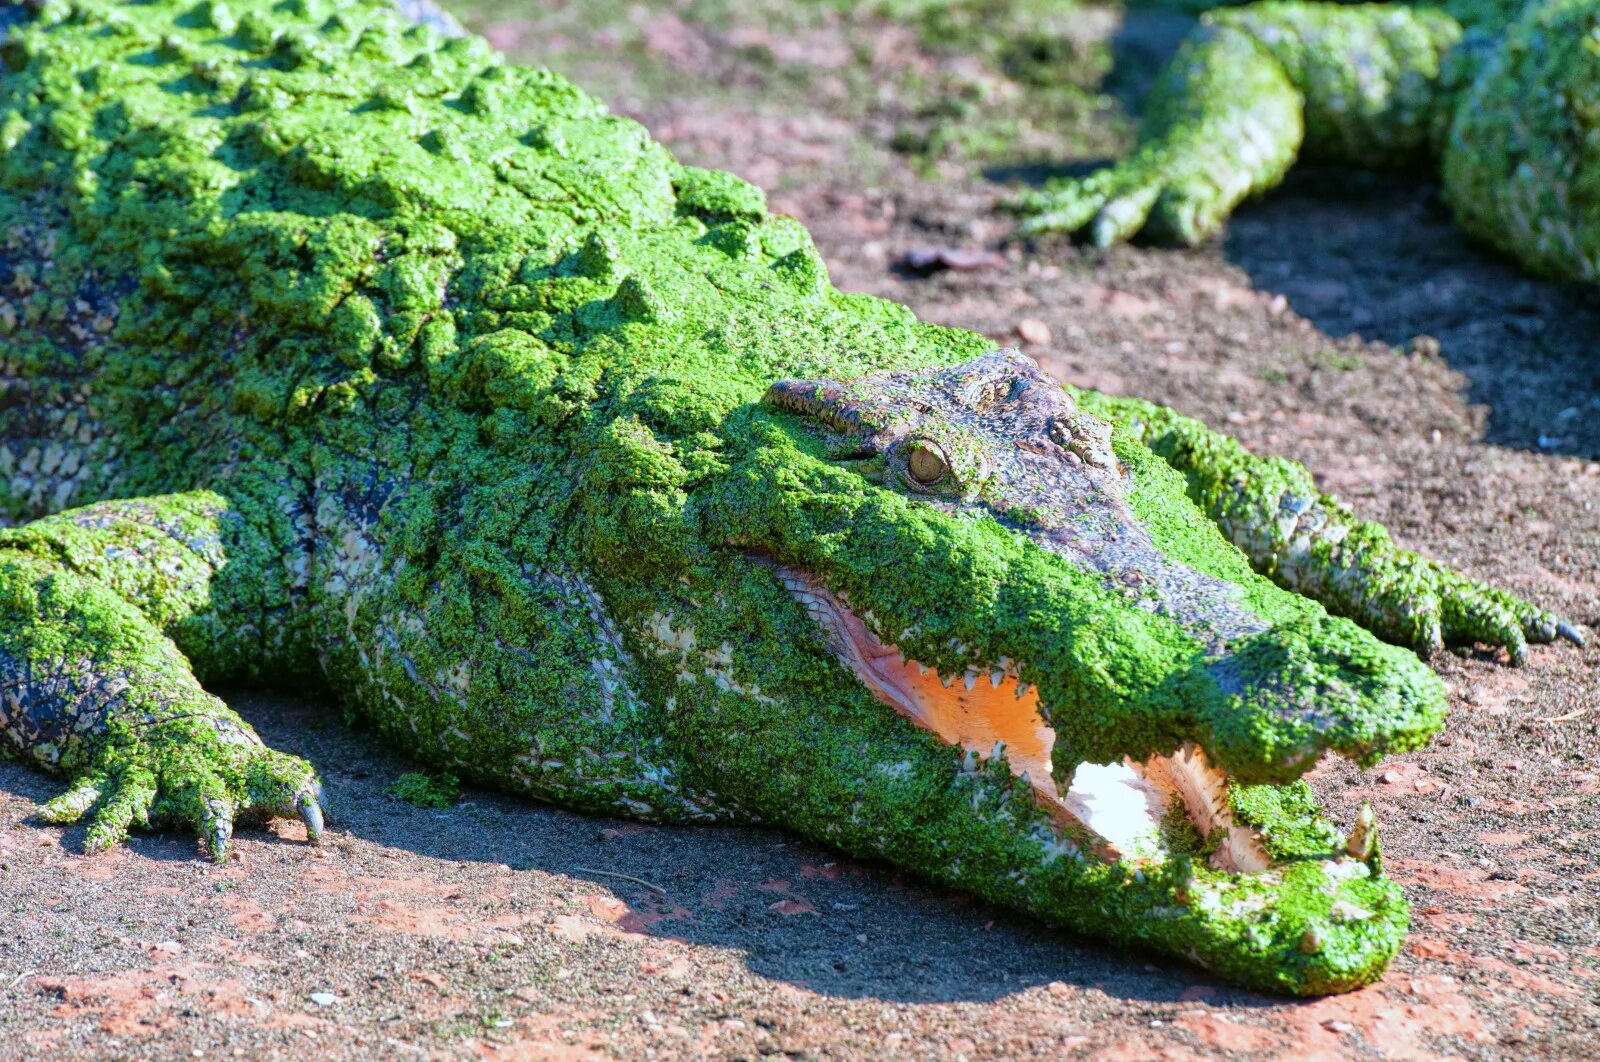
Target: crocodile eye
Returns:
[[926, 464]]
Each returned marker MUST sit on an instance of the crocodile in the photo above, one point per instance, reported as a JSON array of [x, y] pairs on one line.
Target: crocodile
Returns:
[[1496, 95], [338, 354]]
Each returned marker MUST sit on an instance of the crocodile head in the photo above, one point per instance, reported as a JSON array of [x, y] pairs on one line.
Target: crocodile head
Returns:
[[1034, 587]]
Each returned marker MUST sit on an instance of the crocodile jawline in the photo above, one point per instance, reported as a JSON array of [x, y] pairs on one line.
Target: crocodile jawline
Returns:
[[986, 708]]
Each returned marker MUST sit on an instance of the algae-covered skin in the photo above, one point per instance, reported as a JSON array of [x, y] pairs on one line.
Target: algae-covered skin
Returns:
[[1500, 95], [338, 353]]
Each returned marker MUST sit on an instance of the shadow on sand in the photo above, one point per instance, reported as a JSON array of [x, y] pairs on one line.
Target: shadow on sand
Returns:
[[1377, 255], [795, 912]]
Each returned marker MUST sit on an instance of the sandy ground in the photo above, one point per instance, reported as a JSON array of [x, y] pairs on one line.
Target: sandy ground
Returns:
[[504, 930]]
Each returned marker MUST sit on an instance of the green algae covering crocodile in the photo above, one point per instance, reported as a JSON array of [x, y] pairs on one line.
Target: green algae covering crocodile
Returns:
[[341, 355], [1500, 95]]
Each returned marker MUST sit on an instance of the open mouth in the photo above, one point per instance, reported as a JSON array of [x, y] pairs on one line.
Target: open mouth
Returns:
[[1129, 808]]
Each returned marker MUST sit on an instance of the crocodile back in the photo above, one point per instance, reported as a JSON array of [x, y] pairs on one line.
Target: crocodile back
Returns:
[[320, 226]]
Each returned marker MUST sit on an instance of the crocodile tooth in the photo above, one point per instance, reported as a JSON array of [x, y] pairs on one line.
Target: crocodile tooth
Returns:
[[1022, 689], [998, 750], [969, 762], [1363, 840], [922, 669], [945, 680], [970, 679], [996, 677]]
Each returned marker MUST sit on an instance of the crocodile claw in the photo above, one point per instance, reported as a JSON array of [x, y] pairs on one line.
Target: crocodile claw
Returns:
[[312, 812], [1570, 633], [1362, 843], [216, 828]]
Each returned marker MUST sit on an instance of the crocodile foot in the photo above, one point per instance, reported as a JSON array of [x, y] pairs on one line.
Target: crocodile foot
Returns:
[[206, 774]]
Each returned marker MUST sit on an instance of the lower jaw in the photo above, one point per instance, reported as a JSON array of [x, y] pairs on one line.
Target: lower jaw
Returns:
[[1312, 924], [1306, 926], [1240, 927]]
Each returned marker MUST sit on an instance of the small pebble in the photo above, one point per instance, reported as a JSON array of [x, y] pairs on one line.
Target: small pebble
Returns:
[[962, 259], [324, 999], [1034, 331]]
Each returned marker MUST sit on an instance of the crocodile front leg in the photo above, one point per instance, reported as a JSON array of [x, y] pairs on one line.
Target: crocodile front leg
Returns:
[[1310, 542], [1356, 84], [109, 615]]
